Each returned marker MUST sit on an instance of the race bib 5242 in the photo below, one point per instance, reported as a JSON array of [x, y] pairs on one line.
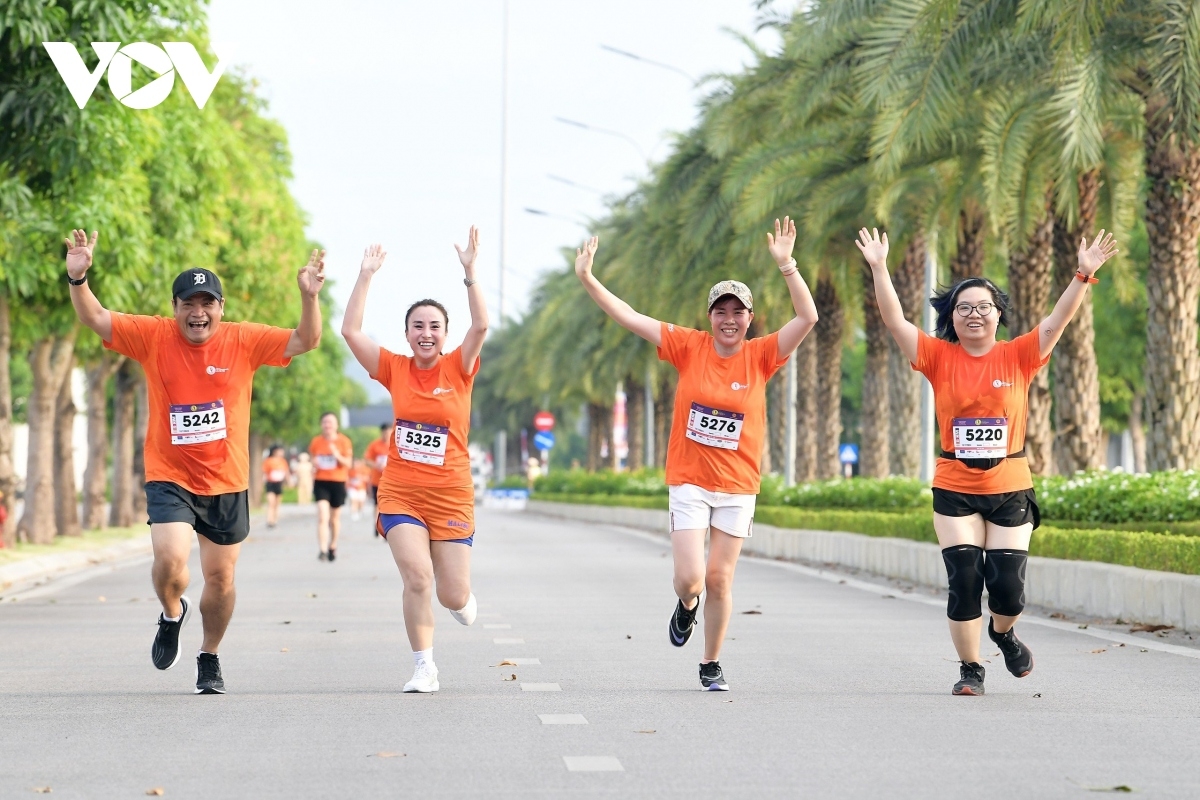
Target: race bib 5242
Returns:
[[196, 423]]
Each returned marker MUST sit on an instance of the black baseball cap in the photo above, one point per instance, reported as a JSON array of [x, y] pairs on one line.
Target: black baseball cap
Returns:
[[196, 281]]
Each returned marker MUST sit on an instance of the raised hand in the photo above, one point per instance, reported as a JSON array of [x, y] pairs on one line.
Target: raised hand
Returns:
[[584, 256], [311, 276], [1091, 258], [874, 249], [373, 258], [468, 255], [79, 252], [783, 241]]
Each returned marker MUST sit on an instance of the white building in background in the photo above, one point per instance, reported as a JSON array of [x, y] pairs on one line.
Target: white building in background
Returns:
[[78, 436]]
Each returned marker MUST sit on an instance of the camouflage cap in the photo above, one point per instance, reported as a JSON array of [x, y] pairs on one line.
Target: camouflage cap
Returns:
[[734, 288]]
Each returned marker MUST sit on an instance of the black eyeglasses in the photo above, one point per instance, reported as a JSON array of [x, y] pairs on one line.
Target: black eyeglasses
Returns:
[[965, 309]]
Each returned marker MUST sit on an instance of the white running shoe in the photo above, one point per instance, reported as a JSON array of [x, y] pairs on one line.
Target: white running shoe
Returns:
[[424, 679], [466, 614]]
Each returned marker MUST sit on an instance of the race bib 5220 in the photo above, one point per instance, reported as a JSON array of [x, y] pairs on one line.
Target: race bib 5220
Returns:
[[421, 442], [714, 427], [980, 437], [197, 423]]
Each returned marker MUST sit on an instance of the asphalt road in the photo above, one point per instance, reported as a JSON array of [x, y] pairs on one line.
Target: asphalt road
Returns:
[[838, 689]]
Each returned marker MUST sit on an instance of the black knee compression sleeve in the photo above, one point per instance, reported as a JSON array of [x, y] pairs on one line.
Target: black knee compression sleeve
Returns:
[[1004, 572], [964, 568]]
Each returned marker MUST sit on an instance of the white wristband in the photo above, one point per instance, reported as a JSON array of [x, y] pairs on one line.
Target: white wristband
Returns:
[[788, 267]]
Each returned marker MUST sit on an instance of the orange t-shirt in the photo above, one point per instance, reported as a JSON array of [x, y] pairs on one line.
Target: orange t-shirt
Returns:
[[326, 467], [358, 478], [275, 469], [377, 457], [720, 416], [433, 420], [198, 434], [981, 391]]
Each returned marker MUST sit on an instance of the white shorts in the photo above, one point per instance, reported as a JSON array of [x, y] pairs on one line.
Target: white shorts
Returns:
[[693, 508], [359, 495]]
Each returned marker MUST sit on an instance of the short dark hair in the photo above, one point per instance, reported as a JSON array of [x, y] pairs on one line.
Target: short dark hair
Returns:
[[329, 414], [430, 303], [943, 303], [275, 447], [385, 426]]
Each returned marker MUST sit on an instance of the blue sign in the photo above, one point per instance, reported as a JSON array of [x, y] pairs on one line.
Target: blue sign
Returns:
[[848, 454], [543, 440]]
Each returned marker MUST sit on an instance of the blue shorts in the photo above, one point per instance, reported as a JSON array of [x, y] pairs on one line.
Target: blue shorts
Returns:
[[388, 521]]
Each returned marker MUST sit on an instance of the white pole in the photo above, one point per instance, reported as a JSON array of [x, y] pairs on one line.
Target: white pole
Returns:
[[927, 410], [789, 439], [649, 414], [503, 157]]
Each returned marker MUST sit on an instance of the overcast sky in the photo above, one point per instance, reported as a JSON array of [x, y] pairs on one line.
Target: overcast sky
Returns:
[[393, 114]]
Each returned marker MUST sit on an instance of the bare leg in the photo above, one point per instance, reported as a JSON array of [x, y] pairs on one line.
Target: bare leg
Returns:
[[1002, 538], [217, 561], [452, 573], [272, 508], [335, 527], [723, 551], [411, 549], [323, 525], [952, 532], [687, 550], [172, 543]]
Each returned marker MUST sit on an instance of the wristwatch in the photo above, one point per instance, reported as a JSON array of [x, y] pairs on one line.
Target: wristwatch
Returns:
[[469, 282], [79, 282], [1079, 276]]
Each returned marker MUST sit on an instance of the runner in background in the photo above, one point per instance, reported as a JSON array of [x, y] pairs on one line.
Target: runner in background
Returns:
[[376, 457], [275, 474], [356, 488], [717, 433], [332, 453], [199, 379]]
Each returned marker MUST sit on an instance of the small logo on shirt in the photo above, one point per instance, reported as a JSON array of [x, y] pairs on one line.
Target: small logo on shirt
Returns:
[[211, 370], [198, 278], [996, 384], [670, 327], [736, 386], [440, 390]]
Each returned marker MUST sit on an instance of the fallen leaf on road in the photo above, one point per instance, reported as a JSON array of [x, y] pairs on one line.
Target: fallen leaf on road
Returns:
[[1121, 789], [512, 677], [1150, 628], [332, 631], [387, 754], [505, 663], [1143, 650], [889, 597], [648, 730], [286, 622], [101, 599], [312, 594], [157, 791], [627, 636], [42, 789], [1058, 615], [1039, 694], [752, 611], [1099, 650], [283, 649], [1082, 627], [841, 581], [726, 701], [1117, 644]]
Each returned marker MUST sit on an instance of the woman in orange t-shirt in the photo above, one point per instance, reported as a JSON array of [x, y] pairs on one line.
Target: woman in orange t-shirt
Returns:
[[426, 498], [717, 433], [984, 509]]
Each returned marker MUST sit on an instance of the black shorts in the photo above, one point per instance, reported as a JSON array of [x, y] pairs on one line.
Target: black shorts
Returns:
[[374, 492], [221, 518], [274, 487], [332, 492], [1008, 509]]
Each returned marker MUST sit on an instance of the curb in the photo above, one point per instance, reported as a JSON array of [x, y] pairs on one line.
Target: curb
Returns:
[[1082, 587], [59, 564]]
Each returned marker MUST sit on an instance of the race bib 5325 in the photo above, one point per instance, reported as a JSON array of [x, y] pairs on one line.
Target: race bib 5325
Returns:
[[421, 442]]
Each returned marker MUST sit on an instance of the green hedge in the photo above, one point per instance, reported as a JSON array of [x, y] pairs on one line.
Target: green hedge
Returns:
[[1121, 497], [1160, 551]]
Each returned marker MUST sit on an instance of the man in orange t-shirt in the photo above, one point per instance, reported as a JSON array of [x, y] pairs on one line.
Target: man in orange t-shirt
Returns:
[[332, 455], [199, 375], [377, 458], [275, 472]]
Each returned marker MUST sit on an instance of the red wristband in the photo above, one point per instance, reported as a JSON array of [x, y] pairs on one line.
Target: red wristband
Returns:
[[1079, 276]]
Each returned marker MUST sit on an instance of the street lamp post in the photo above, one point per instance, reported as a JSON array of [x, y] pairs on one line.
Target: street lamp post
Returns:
[[503, 155], [930, 324]]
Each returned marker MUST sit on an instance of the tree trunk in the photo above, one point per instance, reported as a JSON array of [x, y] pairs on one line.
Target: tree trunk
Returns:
[[808, 422], [66, 493], [772, 452], [873, 449], [142, 421], [596, 428], [49, 361], [829, 375], [1173, 291], [968, 260], [1080, 439], [1030, 273], [120, 513], [664, 411], [257, 443], [1137, 434], [904, 383], [95, 476], [8, 476], [635, 414]]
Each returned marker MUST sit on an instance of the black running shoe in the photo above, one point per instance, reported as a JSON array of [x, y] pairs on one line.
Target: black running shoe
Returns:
[[712, 679], [322, 556], [332, 554], [682, 623], [165, 650], [971, 682], [1017, 657], [208, 674]]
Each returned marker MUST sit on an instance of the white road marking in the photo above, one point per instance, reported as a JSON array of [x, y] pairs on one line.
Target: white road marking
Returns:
[[592, 764], [562, 719]]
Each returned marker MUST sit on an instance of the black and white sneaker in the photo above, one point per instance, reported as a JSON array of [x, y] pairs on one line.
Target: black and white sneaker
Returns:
[[332, 554], [683, 621], [712, 678], [971, 680], [1017, 657], [208, 674], [165, 650]]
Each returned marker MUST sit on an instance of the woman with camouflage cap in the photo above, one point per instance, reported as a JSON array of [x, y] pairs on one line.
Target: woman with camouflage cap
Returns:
[[717, 432]]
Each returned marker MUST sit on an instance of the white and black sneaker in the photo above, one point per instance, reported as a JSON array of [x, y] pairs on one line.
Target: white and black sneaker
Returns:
[[683, 621], [208, 674], [424, 679], [712, 678], [165, 650]]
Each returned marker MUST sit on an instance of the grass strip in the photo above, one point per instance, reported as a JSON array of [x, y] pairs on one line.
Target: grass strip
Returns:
[[90, 540]]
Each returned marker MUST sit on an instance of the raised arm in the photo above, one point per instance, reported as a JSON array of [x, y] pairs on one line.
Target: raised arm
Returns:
[[622, 313], [87, 307], [780, 245], [473, 341], [362, 346], [875, 250], [310, 279], [1090, 259]]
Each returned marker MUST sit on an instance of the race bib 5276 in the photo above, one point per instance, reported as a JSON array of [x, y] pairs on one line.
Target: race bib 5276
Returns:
[[714, 427]]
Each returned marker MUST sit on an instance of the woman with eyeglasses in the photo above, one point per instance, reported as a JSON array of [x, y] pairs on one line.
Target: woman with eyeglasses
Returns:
[[984, 509]]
